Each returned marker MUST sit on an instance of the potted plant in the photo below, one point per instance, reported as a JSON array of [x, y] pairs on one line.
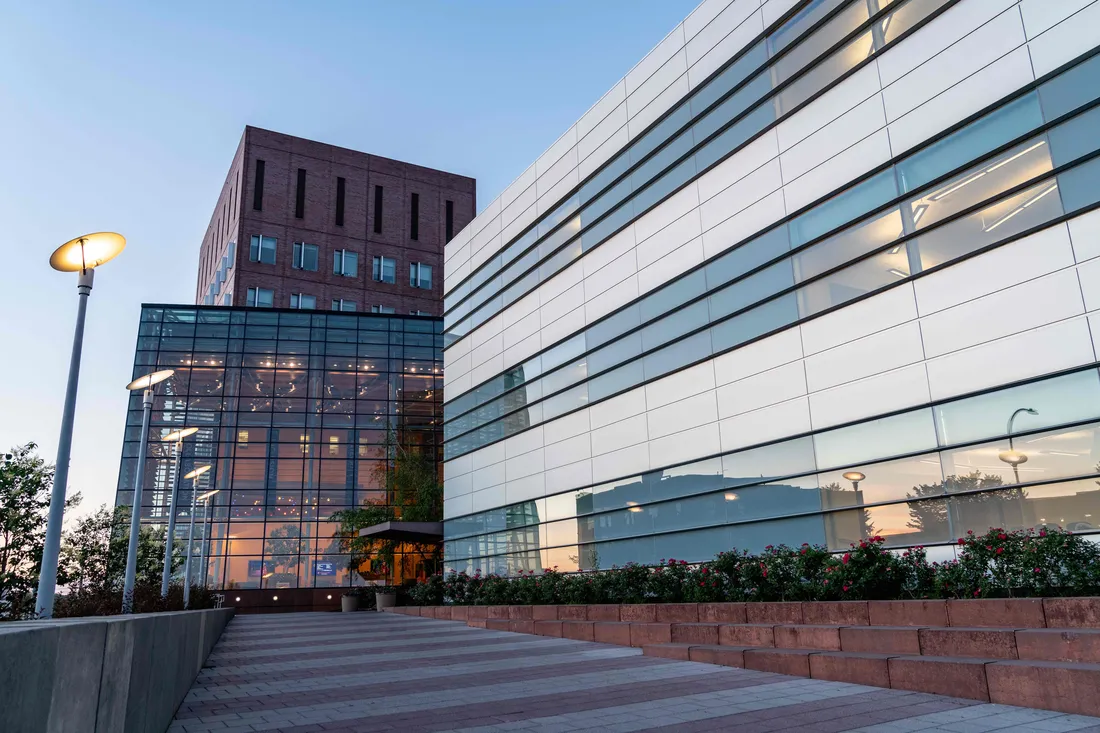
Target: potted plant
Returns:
[[350, 600], [385, 596]]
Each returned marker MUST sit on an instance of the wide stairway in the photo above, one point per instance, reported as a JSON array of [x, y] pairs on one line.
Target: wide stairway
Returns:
[[1041, 653]]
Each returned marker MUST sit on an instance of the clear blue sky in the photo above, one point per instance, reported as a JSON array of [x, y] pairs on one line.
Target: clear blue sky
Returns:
[[124, 116]]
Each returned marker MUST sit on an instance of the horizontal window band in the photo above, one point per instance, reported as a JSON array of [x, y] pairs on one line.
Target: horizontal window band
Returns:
[[1095, 421], [683, 103], [848, 425], [794, 290], [928, 144], [769, 98], [794, 253]]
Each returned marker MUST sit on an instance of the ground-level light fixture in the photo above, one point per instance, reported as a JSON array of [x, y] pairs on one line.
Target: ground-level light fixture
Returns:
[[81, 255], [145, 384]]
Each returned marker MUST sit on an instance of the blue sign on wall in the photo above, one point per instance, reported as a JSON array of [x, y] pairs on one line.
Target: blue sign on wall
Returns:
[[256, 568], [320, 567]]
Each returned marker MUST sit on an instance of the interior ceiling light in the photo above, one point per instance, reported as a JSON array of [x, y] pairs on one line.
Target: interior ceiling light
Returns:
[[1019, 209], [982, 173]]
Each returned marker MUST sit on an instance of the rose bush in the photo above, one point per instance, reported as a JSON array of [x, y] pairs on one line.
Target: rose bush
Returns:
[[999, 563]]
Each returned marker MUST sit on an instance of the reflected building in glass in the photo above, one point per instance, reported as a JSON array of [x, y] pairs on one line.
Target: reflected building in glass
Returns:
[[804, 276], [293, 409]]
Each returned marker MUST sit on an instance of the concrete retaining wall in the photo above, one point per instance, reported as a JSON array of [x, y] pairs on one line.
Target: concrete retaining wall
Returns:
[[111, 674]]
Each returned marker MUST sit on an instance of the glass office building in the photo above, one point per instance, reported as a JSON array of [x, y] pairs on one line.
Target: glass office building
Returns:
[[813, 270], [293, 409]]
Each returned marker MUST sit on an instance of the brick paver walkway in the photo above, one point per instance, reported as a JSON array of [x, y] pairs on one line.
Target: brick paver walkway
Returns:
[[333, 672]]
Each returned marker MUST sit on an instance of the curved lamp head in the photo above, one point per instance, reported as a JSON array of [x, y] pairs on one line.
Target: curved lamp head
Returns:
[[179, 434], [854, 476], [1012, 457], [150, 379], [207, 495], [197, 472], [87, 252]]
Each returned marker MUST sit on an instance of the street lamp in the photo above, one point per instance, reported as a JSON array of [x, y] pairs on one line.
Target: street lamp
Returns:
[[146, 384], [205, 499], [1012, 456], [82, 255], [177, 436], [855, 477], [194, 476]]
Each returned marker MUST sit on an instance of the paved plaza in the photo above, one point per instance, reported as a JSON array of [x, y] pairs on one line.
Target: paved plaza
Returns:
[[307, 672]]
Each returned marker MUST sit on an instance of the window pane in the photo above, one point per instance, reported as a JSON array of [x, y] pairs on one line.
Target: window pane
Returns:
[[1071, 89], [859, 279], [908, 432], [880, 482], [1056, 401], [844, 207], [1038, 457], [1080, 186], [848, 245]]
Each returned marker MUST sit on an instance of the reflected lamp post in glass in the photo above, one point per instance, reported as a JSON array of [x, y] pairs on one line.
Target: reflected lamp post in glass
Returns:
[[145, 384], [855, 477], [177, 436], [194, 477], [81, 255], [205, 499], [1012, 456]]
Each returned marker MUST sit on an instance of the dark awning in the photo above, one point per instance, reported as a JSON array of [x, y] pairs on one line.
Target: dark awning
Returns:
[[405, 531]]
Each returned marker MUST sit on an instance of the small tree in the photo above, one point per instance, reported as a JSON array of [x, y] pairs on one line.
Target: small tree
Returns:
[[413, 493], [25, 485], [93, 552]]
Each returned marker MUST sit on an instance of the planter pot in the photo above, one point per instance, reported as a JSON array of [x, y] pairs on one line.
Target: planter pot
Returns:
[[385, 600], [349, 603]]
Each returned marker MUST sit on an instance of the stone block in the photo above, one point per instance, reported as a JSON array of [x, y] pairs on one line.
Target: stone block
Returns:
[[794, 662], [579, 630], [548, 628], [1059, 645], [27, 674], [953, 676], [496, 611], [497, 624], [1061, 686], [573, 613], [521, 625], [972, 642], [723, 613], [677, 613], [642, 634], [907, 613], [602, 612], [520, 613], [726, 656], [478, 612], [444, 613], [807, 636], [844, 613], [460, 613], [679, 652], [477, 623], [1016, 613], [695, 634], [544, 613], [645, 613], [1072, 613], [859, 669], [746, 635], [773, 613], [880, 640], [612, 632]]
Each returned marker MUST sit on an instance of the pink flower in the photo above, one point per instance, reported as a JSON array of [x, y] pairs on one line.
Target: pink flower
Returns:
[[846, 588], [1000, 550], [1002, 536], [1037, 570], [977, 592], [961, 541], [846, 558]]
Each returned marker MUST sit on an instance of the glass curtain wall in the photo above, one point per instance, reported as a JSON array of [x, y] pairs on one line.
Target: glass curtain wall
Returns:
[[293, 411]]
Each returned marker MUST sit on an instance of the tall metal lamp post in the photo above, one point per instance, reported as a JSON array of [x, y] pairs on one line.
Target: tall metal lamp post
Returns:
[[177, 436], [194, 476], [1012, 456], [81, 255], [205, 499], [146, 384]]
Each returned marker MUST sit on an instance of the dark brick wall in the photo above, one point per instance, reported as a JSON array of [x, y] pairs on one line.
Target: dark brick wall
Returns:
[[283, 155]]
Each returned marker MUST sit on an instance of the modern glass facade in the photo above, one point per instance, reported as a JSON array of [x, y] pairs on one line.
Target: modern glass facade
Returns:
[[293, 409], [789, 282]]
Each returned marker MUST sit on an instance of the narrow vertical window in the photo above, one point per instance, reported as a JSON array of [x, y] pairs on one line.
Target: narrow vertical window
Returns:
[[414, 217], [340, 190], [450, 221], [258, 187], [377, 209], [300, 196]]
